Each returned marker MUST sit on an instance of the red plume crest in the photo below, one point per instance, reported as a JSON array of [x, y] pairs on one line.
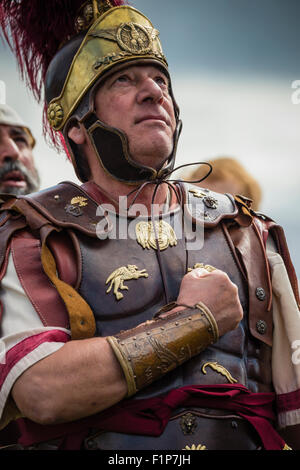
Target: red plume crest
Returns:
[[35, 30]]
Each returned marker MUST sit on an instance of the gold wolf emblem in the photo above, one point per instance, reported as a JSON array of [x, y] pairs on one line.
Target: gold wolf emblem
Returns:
[[120, 275], [146, 236]]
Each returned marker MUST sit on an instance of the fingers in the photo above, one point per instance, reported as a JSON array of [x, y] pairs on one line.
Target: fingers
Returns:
[[215, 289], [205, 271], [201, 269], [198, 273]]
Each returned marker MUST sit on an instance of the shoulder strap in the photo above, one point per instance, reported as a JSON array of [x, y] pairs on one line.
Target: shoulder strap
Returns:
[[9, 225], [26, 253], [249, 248], [250, 242], [269, 227]]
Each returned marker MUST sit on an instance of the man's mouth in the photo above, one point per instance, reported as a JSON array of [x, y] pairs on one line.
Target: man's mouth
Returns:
[[13, 178], [151, 117]]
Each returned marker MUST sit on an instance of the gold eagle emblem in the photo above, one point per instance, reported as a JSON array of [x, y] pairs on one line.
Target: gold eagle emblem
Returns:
[[145, 235], [195, 447], [79, 200], [220, 370], [120, 275]]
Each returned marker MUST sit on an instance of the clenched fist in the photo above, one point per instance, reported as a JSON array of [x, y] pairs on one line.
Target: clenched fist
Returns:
[[217, 292]]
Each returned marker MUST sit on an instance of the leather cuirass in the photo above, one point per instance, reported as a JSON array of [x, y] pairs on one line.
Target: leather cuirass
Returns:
[[125, 280], [121, 302]]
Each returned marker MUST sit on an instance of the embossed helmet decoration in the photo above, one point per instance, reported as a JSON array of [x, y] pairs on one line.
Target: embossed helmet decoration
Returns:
[[84, 44]]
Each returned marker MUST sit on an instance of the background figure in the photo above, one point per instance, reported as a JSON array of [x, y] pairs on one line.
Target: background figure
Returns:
[[18, 174], [228, 176]]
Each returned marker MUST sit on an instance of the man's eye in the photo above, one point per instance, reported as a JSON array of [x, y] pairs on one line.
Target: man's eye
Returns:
[[161, 81], [21, 141], [122, 79]]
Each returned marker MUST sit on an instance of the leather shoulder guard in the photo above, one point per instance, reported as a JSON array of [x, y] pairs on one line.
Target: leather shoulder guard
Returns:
[[63, 206], [48, 207], [208, 207], [66, 205]]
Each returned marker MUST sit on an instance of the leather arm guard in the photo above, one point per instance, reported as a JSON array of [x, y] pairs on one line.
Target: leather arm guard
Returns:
[[158, 346]]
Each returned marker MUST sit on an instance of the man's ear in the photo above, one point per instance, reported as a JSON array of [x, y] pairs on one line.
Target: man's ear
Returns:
[[77, 134]]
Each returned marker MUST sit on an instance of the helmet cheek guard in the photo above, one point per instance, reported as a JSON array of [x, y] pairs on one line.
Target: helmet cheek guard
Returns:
[[111, 147]]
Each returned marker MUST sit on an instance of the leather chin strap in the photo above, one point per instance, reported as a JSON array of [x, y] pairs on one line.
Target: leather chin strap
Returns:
[[111, 147]]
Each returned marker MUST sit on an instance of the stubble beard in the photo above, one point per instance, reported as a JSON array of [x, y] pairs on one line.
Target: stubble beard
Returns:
[[152, 153]]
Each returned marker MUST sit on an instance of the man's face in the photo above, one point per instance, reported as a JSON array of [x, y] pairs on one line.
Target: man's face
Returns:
[[136, 100], [18, 174]]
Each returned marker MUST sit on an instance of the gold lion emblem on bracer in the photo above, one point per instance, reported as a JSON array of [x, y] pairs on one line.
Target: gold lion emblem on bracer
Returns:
[[120, 275]]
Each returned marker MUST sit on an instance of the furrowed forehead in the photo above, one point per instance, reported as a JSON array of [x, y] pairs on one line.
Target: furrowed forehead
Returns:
[[12, 129], [132, 67]]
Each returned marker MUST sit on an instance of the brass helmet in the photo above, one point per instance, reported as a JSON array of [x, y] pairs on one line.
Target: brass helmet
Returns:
[[107, 36]]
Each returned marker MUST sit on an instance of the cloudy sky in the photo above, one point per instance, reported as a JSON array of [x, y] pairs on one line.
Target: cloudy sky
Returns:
[[233, 66]]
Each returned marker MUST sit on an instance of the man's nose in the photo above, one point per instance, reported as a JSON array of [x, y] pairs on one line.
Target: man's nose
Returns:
[[150, 91], [9, 150]]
